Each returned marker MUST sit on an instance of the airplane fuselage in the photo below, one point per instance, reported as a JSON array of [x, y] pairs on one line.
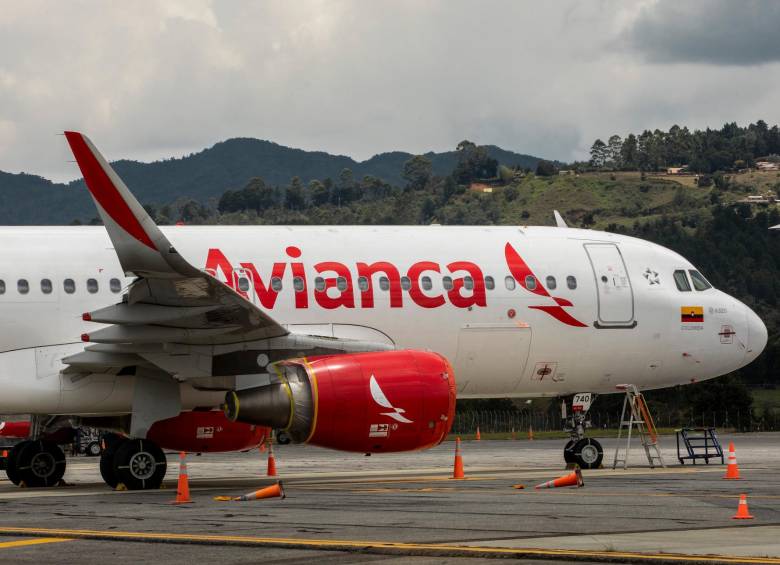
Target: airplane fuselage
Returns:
[[520, 312]]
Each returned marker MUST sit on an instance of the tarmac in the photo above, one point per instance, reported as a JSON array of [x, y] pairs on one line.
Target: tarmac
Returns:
[[404, 508]]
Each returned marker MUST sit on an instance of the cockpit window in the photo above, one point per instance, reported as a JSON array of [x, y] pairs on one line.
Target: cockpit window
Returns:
[[681, 280], [699, 282]]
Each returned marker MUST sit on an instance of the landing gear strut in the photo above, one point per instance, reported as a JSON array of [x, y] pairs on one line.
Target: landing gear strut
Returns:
[[580, 450], [36, 463], [138, 464]]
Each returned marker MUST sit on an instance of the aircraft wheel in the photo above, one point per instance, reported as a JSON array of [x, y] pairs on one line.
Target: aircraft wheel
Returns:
[[568, 453], [139, 464], [113, 442], [11, 469], [39, 463], [588, 453], [92, 449]]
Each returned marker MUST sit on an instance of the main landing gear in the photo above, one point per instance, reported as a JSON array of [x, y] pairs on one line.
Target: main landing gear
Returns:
[[35, 463], [580, 450], [137, 464]]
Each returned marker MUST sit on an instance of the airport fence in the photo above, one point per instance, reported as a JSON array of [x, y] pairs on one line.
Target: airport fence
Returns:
[[507, 421]]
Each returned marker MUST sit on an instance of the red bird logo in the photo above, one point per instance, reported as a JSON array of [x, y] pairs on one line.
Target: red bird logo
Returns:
[[520, 271]]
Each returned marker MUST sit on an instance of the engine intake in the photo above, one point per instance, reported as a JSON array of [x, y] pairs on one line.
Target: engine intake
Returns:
[[366, 402]]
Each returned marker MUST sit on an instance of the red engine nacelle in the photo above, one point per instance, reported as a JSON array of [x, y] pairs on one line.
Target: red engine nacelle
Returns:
[[203, 432], [367, 402]]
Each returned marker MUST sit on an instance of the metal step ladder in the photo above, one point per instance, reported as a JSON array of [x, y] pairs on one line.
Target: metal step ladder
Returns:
[[699, 443], [635, 408]]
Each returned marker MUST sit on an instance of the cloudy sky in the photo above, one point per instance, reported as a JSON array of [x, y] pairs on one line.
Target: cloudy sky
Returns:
[[148, 80]]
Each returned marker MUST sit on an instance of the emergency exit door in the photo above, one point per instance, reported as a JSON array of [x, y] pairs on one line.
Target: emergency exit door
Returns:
[[614, 293]]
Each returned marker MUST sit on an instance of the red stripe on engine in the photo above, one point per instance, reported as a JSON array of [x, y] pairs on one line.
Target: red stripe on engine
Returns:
[[103, 189]]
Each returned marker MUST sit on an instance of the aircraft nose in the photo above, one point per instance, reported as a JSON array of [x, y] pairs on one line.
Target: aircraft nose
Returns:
[[756, 335]]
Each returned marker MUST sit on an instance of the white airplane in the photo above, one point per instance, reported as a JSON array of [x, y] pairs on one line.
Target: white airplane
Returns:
[[348, 336]]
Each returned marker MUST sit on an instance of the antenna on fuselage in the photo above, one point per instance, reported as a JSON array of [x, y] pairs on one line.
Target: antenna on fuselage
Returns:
[[559, 221]]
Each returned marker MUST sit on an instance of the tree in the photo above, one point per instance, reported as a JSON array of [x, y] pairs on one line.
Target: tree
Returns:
[[614, 151], [545, 168], [598, 153], [417, 172], [295, 197], [473, 163], [318, 193], [628, 152]]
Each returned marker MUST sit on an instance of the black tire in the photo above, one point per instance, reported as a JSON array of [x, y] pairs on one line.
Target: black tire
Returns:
[[40, 464], [140, 465], [93, 449], [568, 452], [11, 470], [282, 437], [588, 453], [107, 460]]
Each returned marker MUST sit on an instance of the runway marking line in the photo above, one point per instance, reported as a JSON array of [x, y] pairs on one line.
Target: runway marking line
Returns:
[[26, 542], [383, 547]]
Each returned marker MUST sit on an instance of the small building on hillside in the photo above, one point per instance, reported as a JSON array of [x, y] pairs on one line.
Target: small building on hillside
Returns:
[[676, 170], [480, 187], [767, 166]]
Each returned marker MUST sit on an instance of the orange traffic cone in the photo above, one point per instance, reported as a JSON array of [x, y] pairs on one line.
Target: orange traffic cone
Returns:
[[742, 510], [732, 470], [271, 472], [274, 491], [530, 433], [183, 488], [571, 480], [457, 472], [478, 437]]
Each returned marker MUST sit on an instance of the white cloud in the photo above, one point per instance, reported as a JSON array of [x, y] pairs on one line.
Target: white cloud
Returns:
[[148, 80]]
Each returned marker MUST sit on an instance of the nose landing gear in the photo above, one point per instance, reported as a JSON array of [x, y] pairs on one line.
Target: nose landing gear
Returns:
[[583, 451]]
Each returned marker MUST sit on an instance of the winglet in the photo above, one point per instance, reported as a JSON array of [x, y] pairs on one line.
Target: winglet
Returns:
[[559, 221], [141, 246]]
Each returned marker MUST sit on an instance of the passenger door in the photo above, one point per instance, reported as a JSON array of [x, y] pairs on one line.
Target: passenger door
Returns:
[[614, 293]]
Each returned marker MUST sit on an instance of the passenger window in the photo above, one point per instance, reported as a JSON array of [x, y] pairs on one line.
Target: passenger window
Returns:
[[92, 286], [384, 283], [23, 286], [341, 284], [406, 283], [46, 286], [510, 283], [363, 284], [2, 287], [115, 285], [490, 284], [319, 284], [468, 283], [243, 284], [298, 284], [551, 282], [447, 282], [571, 282], [699, 282], [530, 282], [681, 280], [427, 283], [276, 284], [69, 286]]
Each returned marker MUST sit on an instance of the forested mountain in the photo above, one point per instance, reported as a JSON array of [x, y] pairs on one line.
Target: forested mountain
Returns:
[[28, 199]]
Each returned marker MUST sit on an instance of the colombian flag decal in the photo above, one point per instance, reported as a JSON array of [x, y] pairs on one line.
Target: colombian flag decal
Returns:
[[692, 314]]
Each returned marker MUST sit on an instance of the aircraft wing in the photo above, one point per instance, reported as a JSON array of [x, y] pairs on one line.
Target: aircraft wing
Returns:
[[170, 301]]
